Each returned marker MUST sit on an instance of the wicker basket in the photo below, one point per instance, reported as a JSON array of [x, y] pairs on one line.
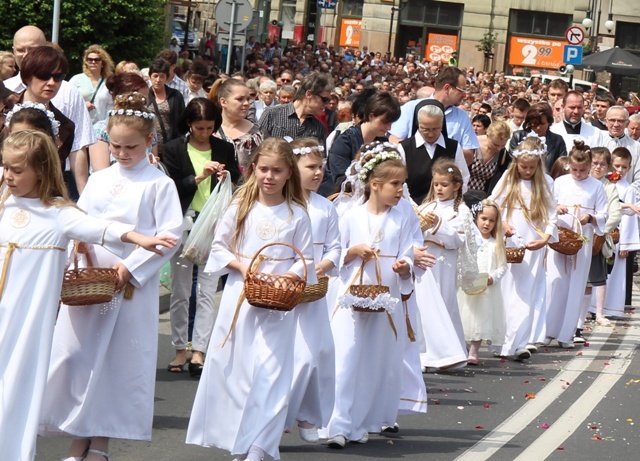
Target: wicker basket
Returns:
[[425, 223], [369, 291], [515, 255], [569, 241], [598, 242], [615, 235], [89, 285], [317, 291], [272, 291]]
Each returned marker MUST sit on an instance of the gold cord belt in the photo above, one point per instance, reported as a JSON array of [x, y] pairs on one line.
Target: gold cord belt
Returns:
[[7, 258]]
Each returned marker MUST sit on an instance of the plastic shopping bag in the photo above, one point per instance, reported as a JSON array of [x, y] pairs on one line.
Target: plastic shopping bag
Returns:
[[198, 244]]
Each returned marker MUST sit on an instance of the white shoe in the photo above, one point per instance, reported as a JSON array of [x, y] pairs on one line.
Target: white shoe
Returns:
[[531, 348], [603, 321], [363, 439], [339, 441], [547, 341], [521, 354], [566, 345], [391, 429], [309, 435]]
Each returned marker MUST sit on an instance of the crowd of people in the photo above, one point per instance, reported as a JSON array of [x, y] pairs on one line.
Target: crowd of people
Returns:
[[441, 207]]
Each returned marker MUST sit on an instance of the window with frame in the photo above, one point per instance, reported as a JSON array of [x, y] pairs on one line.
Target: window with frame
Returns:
[[352, 7], [433, 13], [539, 23], [628, 35]]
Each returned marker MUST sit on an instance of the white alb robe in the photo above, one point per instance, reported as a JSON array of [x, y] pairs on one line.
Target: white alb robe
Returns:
[[243, 394], [87, 377], [29, 305]]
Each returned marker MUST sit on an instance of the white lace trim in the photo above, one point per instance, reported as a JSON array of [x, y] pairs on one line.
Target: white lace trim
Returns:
[[383, 301]]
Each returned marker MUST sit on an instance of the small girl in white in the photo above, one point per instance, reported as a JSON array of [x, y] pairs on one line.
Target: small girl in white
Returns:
[[483, 313]]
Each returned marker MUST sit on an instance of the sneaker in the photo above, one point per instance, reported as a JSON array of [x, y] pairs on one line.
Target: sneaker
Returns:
[[339, 441], [566, 345], [363, 439], [391, 429], [309, 435], [603, 321], [531, 348], [521, 354], [578, 338]]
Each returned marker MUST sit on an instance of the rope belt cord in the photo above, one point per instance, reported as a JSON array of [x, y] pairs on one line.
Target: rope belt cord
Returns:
[[11, 246]]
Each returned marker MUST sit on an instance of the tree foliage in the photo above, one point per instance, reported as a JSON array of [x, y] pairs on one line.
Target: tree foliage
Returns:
[[128, 29]]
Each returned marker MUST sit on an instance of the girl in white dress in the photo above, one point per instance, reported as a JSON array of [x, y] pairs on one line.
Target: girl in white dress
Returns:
[[242, 399], [437, 302], [368, 345], [629, 237], [93, 393], [313, 387], [37, 221], [483, 313], [584, 197], [525, 196]]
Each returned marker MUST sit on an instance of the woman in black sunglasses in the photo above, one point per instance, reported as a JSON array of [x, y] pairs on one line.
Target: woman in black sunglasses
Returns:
[[42, 71]]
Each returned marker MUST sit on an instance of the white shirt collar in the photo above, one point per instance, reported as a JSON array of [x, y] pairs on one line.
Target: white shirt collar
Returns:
[[431, 148]]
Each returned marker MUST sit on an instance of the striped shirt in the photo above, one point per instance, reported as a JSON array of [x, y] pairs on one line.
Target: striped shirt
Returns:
[[282, 120]]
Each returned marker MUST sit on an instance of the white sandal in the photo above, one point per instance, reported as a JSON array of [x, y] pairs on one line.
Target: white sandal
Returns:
[[98, 452]]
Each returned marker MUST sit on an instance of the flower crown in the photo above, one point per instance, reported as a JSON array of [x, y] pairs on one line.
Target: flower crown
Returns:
[[383, 151], [307, 150], [55, 125], [537, 152], [131, 112]]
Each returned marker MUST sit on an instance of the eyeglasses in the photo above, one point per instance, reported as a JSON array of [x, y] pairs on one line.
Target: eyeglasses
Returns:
[[616, 121], [599, 164], [94, 60], [57, 77], [462, 90]]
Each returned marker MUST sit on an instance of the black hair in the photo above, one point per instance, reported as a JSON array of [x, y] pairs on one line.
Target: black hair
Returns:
[[199, 109]]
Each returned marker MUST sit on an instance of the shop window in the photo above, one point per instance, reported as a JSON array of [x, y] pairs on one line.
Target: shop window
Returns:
[[539, 23], [352, 7], [628, 35]]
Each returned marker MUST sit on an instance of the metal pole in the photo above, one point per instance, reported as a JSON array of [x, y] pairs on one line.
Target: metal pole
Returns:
[[244, 54], [232, 27], [55, 30], [393, 12]]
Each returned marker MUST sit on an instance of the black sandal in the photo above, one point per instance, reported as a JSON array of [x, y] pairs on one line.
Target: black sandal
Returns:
[[177, 368], [195, 369]]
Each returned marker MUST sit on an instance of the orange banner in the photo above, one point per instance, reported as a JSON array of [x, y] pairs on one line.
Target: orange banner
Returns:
[[536, 52], [440, 46], [350, 31]]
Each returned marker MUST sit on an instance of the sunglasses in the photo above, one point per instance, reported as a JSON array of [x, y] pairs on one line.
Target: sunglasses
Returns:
[[94, 60], [324, 99], [285, 80], [57, 77]]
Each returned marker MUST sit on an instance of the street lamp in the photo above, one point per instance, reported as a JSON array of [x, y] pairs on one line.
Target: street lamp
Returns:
[[394, 8]]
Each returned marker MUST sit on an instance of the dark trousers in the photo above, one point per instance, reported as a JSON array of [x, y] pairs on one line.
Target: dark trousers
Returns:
[[629, 277]]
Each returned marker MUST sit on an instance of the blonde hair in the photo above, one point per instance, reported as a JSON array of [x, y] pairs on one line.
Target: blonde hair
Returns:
[[131, 101], [541, 201], [446, 167], [107, 62], [248, 193], [40, 153], [6, 55], [496, 233], [499, 130]]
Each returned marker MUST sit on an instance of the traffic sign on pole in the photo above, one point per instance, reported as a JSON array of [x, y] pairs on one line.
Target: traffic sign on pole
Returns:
[[572, 54], [574, 35]]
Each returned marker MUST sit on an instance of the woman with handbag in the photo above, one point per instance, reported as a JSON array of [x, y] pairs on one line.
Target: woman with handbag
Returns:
[[97, 66], [195, 162]]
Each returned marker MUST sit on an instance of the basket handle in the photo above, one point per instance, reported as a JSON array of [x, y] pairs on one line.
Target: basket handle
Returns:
[[253, 260], [577, 220], [378, 270], [76, 246]]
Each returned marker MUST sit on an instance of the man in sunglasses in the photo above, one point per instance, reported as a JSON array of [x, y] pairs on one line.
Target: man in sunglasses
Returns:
[[68, 100], [298, 119]]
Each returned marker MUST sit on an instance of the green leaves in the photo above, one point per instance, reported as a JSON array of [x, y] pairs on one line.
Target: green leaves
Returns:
[[128, 29]]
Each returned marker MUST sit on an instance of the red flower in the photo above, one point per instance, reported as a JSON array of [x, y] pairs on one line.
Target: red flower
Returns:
[[614, 176]]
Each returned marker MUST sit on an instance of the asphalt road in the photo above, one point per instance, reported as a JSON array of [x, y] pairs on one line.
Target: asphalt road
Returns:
[[581, 404]]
